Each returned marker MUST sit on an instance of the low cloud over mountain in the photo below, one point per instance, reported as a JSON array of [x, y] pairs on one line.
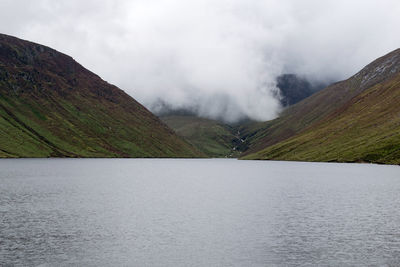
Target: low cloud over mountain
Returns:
[[221, 57]]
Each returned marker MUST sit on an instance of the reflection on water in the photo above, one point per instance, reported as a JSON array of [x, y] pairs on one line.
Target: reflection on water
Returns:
[[136, 212]]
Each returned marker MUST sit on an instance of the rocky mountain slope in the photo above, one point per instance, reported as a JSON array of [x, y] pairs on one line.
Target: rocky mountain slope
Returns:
[[50, 106], [293, 89]]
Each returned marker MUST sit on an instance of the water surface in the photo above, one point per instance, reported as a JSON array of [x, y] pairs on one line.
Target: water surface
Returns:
[[164, 212]]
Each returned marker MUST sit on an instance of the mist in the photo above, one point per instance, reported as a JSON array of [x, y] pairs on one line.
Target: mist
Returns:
[[219, 59]]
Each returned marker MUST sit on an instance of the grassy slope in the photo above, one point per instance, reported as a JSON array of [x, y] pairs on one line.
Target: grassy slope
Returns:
[[354, 120], [211, 137], [367, 129], [51, 106]]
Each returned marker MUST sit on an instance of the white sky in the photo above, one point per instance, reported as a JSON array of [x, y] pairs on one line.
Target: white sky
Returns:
[[219, 56]]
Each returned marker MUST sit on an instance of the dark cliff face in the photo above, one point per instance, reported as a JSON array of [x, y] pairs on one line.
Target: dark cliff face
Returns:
[[52, 106], [293, 89]]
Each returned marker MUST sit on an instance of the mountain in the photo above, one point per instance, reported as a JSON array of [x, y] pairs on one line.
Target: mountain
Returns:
[[356, 120], [293, 89], [51, 106], [213, 138], [216, 138]]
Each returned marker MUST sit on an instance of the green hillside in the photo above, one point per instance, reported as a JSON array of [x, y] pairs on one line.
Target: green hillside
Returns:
[[50, 106], [213, 138], [357, 120]]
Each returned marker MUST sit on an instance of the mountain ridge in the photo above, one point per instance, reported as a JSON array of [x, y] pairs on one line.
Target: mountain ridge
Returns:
[[313, 120], [50, 105]]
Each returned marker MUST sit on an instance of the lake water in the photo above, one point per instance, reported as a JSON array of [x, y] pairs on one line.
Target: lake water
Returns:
[[165, 212]]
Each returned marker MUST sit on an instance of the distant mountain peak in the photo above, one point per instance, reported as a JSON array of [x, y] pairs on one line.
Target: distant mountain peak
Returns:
[[293, 88]]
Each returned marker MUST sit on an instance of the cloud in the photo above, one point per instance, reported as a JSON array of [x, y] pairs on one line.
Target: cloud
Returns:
[[220, 58]]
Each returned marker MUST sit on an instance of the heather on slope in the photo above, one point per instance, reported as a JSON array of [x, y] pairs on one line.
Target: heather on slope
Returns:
[[51, 106]]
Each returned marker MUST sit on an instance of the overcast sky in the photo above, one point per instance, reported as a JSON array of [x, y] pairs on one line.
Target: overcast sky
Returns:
[[220, 57]]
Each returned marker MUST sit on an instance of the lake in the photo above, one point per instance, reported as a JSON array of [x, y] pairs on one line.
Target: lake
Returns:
[[197, 212]]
